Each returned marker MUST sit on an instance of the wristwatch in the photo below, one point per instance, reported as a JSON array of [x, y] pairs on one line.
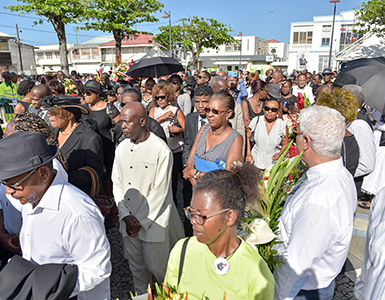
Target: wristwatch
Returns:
[[196, 175]]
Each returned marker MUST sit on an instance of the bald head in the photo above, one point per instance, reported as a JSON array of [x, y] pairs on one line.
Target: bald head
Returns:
[[133, 122], [37, 93], [223, 74], [323, 88], [218, 84]]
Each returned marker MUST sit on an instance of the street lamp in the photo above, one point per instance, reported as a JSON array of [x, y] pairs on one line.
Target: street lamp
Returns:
[[240, 52], [331, 42], [165, 16]]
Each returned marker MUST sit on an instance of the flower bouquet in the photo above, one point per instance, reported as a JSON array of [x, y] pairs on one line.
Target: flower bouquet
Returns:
[[302, 101], [69, 86], [261, 222], [119, 73]]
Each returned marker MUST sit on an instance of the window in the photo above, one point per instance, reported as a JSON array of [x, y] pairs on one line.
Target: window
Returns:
[[57, 54], [48, 55], [233, 47], [229, 68], [323, 62], [303, 37], [40, 55], [326, 32], [347, 36], [4, 44]]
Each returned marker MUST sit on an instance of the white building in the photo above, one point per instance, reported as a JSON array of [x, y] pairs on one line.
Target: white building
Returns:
[[280, 51], [48, 58], [311, 41]]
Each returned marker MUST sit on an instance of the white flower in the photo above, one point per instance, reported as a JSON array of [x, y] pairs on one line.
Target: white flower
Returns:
[[260, 233]]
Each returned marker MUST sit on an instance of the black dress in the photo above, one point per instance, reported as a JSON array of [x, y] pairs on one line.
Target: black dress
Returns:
[[350, 153], [105, 125], [252, 113]]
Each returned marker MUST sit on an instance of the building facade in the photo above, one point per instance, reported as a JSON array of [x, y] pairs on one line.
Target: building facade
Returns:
[[310, 41]]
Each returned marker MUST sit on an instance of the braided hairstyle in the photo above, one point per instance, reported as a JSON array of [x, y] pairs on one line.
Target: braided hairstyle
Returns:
[[32, 122], [232, 189]]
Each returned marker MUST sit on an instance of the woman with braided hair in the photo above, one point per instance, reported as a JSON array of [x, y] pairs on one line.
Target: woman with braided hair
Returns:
[[32, 122], [23, 90]]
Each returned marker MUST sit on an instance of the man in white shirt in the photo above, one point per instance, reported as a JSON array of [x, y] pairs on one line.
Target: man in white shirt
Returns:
[[61, 224], [141, 177], [316, 224], [303, 88]]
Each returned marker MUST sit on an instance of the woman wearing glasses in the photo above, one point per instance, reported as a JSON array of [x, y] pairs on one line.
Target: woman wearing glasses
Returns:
[[218, 264], [270, 136], [172, 120], [216, 145], [105, 122], [182, 99]]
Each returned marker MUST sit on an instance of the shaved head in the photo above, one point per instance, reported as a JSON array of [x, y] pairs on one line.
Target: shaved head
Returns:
[[218, 84], [37, 93], [133, 122]]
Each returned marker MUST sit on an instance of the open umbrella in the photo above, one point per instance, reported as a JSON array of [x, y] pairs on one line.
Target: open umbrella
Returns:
[[370, 75], [155, 64]]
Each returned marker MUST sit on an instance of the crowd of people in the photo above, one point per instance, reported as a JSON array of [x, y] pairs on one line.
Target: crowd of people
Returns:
[[168, 150]]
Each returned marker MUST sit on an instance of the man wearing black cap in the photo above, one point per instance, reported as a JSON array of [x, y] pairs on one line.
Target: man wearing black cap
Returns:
[[61, 224], [327, 75]]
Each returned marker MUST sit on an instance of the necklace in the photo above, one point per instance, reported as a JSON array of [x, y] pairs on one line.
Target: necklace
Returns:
[[222, 265], [72, 129]]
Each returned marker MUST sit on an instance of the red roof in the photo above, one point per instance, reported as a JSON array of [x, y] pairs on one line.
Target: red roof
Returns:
[[133, 40], [273, 41]]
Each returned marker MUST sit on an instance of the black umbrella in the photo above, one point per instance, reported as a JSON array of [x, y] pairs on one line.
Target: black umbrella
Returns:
[[370, 75], [155, 64]]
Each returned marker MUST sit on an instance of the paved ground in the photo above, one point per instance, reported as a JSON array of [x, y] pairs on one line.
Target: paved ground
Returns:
[[121, 279]]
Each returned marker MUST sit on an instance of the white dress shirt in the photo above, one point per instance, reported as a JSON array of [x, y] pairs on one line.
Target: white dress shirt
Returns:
[[307, 90], [67, 227], [316, 227], [371, 283], [365, 140]]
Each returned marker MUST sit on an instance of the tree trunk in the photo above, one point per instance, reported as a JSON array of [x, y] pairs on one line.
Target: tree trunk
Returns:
[[195, 58], [61, 35], [118, 36]]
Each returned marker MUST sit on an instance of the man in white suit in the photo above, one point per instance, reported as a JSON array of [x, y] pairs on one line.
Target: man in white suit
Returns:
[[141, 177]]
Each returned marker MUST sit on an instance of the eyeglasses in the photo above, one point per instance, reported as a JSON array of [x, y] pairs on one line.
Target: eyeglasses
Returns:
[[175, 82], [112, 94], [201, 219], [200, 77], [296, 133], [273, 109], [160, 97], [215, 111], [88, 93], [15, 185]]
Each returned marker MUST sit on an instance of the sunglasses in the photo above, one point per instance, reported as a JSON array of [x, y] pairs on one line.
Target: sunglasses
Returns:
[[160, 97], [15, 185], [273, 109], [112, 94], [201, 219], [200, 77], [175, 82], [88, 93], [215, 111]]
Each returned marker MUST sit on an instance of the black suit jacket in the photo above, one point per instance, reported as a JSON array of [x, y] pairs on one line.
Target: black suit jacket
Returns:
[[83, 148], [190, 133]]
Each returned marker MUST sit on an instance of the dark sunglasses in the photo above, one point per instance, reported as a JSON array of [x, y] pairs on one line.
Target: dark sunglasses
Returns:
[[175, 82], [273, 109], [112, 94], [160, 97], [88, 93], [215, 111], [200, 77]]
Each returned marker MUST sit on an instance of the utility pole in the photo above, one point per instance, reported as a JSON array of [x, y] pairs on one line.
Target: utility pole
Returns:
[[19, 46]]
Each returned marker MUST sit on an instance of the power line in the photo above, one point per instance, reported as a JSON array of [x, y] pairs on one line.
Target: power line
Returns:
[[46, 31]]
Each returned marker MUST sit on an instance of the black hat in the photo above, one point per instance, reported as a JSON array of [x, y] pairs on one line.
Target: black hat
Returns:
[[22, 152], [344, 79], [191, 81], [62, 101], [327, 71], [93, 85], [274, 90]]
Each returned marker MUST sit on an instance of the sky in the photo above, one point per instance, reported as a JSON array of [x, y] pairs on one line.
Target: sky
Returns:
[[265, 19]]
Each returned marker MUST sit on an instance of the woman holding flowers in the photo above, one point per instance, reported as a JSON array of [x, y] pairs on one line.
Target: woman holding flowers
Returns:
[[218, 264]]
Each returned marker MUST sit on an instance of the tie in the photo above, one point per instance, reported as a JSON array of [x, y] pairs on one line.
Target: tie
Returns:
[[295, 189], [203, 123]]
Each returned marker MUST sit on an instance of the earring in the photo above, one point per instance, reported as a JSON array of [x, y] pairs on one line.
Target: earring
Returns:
[[169, 102]]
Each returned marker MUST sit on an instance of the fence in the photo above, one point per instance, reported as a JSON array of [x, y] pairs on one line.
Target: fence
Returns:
[[6, 111]]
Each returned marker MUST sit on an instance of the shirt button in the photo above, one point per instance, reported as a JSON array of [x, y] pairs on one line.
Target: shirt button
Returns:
[[128, 199], [130, 167], [129, 183], [132, 150], [146, 167]]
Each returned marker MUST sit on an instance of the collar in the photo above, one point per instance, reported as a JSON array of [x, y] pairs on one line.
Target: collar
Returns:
[[200, 119], [11, 84], [51, 198], [324, 168]]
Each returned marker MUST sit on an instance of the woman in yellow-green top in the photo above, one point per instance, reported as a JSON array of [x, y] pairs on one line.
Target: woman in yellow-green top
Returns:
[[216, 261]]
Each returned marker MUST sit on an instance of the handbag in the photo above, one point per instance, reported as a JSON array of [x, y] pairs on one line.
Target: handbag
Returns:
[[106, 204], [182, 255], [252, 139]]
